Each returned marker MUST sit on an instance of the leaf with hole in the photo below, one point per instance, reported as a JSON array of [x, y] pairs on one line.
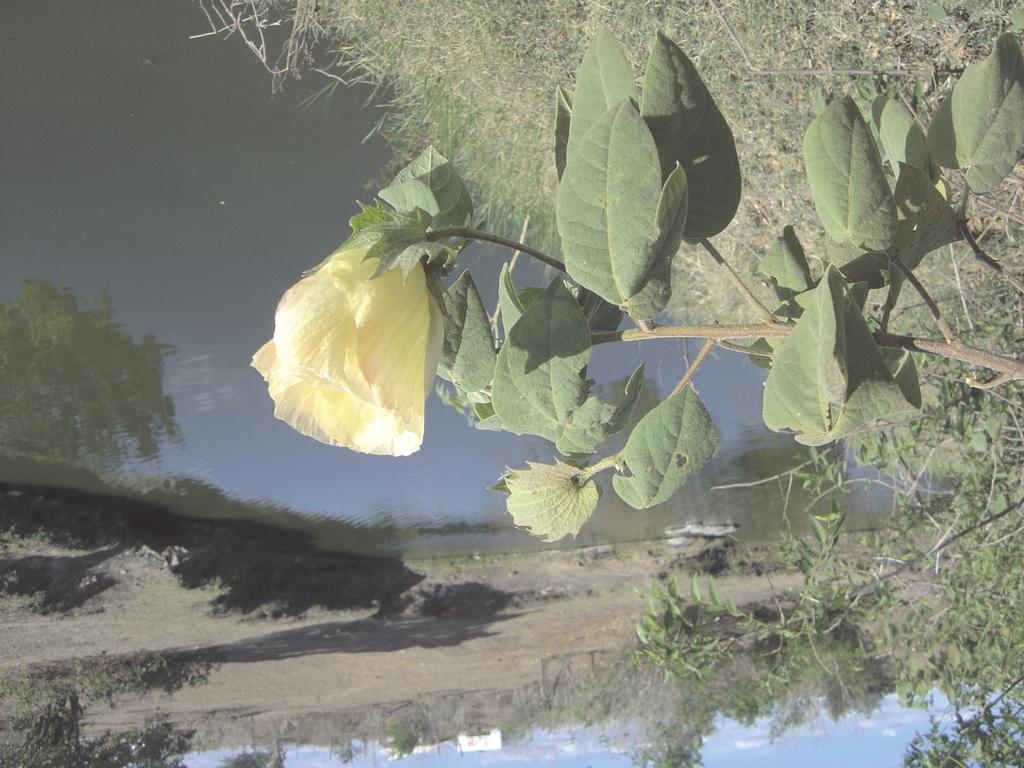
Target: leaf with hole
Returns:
[[666, 447], [689, 129], [925, 220]]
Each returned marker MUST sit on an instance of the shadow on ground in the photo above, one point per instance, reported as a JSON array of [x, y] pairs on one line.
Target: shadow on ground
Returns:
[[257, 568], [365, 636], [61, 583]]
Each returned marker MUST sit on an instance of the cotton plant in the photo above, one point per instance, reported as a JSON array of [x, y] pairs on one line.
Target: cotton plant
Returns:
[[644, 168]]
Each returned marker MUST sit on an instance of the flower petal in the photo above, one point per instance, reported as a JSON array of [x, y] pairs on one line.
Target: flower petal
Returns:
[[349, 355], [336, 417]]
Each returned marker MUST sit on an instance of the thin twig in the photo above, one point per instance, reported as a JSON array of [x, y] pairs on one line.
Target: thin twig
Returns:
[[940, 321], [708, 346], [955, 351], [998, 381], [988, 260], [473, 234], [752, 483], [743, 350], [960, 288], [765, 313]]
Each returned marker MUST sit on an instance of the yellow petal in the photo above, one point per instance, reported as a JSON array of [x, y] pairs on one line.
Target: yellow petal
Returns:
[[352, 359], [335, 417]]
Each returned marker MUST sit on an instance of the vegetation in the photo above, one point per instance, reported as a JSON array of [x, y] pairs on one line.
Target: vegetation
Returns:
[[940, 602], [477, 80], [46, 707]]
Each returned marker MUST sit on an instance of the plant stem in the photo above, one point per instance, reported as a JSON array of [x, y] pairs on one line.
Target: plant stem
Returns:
[[473, 234], [955, 351], [715, 332], [708, 344], [599, 466], [762, 310], [988, 260], [941, 348], [940, 321]]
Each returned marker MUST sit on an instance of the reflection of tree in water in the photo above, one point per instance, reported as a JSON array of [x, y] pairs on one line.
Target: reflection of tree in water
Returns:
[[74, 385], [257, 759], [45, 709]]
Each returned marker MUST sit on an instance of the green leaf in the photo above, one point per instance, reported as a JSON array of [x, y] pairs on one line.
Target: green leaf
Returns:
[[467, 354], [563, 117], [1017, 20], [512, 307], [378, 213], [695, 589], [759, 349], [615, 217], [828, 376], [869, 268], [601, 316], [689, 129], [903, 369], [819, 531], [980, 127], [848, 184], [397, 239], [604, 79], [549, 500], [901, 137], [786, 265], [595, 420], [926, 220], [486, 420], [537, 382], [431, 183], [716, 600], [669, 444]]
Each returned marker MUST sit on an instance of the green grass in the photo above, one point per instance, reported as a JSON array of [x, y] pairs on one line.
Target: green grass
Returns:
[[476, 78]]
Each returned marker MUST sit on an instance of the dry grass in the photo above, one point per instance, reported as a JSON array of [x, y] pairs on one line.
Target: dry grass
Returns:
[[476, 78]]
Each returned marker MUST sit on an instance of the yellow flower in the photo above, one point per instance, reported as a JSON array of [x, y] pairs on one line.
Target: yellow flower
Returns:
[[352, 359]]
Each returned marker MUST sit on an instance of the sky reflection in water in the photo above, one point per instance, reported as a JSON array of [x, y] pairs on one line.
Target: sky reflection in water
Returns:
[[855, 741]]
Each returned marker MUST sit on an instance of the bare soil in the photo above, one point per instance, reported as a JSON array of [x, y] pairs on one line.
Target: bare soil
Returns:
[[292, 633]]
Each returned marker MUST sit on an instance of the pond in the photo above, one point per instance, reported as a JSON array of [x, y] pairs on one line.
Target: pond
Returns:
[[156, 201], [176, 188]]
